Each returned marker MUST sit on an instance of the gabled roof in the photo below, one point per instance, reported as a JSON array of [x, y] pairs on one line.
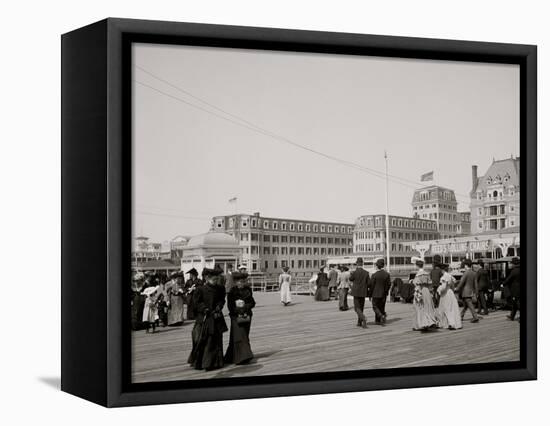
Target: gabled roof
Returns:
[[508, 167]]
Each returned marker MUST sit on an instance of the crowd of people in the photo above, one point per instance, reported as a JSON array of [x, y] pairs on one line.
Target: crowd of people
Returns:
[[435, 294], [161, 299], [169, 300]]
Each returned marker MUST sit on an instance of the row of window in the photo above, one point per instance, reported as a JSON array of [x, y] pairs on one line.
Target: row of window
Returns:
[[397, 222], [431, 195], [496, 194], [494, 210], [284, 226], [300, 251], [495, 224], [435, 206], [293, 239]]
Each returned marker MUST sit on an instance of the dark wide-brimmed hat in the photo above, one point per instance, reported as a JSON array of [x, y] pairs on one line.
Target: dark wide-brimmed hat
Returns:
[[177, 274], [515, 260], [285, 268], [359, 261], [208, 272], [467, 262], [193, 271], [239, 276], [380, 263]]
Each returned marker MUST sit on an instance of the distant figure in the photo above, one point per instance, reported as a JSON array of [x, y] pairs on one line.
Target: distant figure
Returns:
[[240, 303], [207, 334], [379, 287], [284, 285], [359, 289], [435, 276], [175, 297], [424, 311], [483, 286], [395, 290], [322, 292], [467, 289], [229, 278], [191, 285], [512, 282], [449, 312], [332, 281], [344, 285]]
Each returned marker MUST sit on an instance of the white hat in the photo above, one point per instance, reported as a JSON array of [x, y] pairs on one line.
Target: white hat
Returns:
[[243, 266], [150, 290]]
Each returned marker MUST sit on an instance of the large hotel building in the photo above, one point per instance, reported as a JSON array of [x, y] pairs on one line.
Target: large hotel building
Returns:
[[369, 237], [495, 197], [269, 243]]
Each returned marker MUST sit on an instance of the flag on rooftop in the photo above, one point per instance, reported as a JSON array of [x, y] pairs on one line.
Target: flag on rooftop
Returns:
[[427, 176]]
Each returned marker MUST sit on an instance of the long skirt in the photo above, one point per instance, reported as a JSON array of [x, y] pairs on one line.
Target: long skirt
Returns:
[[239, 351], [322, 294], [190, 306], [449, 312], [175, 312], [207, 352], [285, 292], [150, 313], [424, 311]]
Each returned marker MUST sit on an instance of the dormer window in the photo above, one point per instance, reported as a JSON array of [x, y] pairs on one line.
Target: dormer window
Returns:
[[489, 180]]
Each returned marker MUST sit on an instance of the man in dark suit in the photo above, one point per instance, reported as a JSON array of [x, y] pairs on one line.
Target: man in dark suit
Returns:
[[359, 290], [379, 286], [482, 280], [512, 281], [467, 289]]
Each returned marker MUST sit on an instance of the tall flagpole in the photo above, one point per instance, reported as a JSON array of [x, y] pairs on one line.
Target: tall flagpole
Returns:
[[387, 218]]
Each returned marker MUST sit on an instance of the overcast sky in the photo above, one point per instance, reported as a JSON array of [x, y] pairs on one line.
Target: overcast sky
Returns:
[[428, 115]]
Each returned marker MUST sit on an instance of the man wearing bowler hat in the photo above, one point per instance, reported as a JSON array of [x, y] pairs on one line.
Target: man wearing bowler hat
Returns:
[[379, 286], [359, 289]]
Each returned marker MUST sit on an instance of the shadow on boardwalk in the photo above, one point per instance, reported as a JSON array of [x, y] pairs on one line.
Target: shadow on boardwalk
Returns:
[[308, 336]]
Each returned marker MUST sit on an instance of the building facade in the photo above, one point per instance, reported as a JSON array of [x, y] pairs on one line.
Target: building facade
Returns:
[[144, 250], [369, 236], [495, 197], [210, 250], [439, 204], [268, 243]]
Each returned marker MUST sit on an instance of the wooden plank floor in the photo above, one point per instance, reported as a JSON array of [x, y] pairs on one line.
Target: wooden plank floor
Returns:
[[310, 336]]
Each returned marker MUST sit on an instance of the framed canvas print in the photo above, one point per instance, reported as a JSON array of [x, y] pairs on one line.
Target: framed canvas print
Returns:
[[255, 212]]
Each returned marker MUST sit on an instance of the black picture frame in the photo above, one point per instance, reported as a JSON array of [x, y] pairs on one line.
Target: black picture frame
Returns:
[[96, 83]]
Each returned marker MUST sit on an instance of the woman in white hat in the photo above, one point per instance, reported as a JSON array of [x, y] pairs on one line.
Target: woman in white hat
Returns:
[[284, 285]]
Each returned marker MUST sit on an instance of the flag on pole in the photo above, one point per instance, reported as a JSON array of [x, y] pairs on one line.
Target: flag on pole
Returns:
[[427, 176], [233, 200]]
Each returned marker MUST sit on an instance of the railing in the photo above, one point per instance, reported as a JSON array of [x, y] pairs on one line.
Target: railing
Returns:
[[299, 285]]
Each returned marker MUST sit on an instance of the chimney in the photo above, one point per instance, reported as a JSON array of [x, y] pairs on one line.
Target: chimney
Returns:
[[474, 177]]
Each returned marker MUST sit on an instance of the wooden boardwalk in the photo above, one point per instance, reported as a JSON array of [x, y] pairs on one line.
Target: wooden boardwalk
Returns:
[[310, 336]]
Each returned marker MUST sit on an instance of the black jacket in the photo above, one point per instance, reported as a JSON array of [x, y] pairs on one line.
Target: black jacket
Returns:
[[512, 281], [379, 284], [360, 280], [482, 278], [244, 294]]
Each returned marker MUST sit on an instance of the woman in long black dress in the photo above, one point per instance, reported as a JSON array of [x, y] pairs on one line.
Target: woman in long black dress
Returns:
[[207, 334], [240, 303]]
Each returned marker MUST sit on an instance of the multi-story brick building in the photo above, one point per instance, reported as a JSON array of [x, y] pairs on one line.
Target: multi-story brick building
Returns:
[[270, 243], [369, 236], [495, 197], [438, 203]]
